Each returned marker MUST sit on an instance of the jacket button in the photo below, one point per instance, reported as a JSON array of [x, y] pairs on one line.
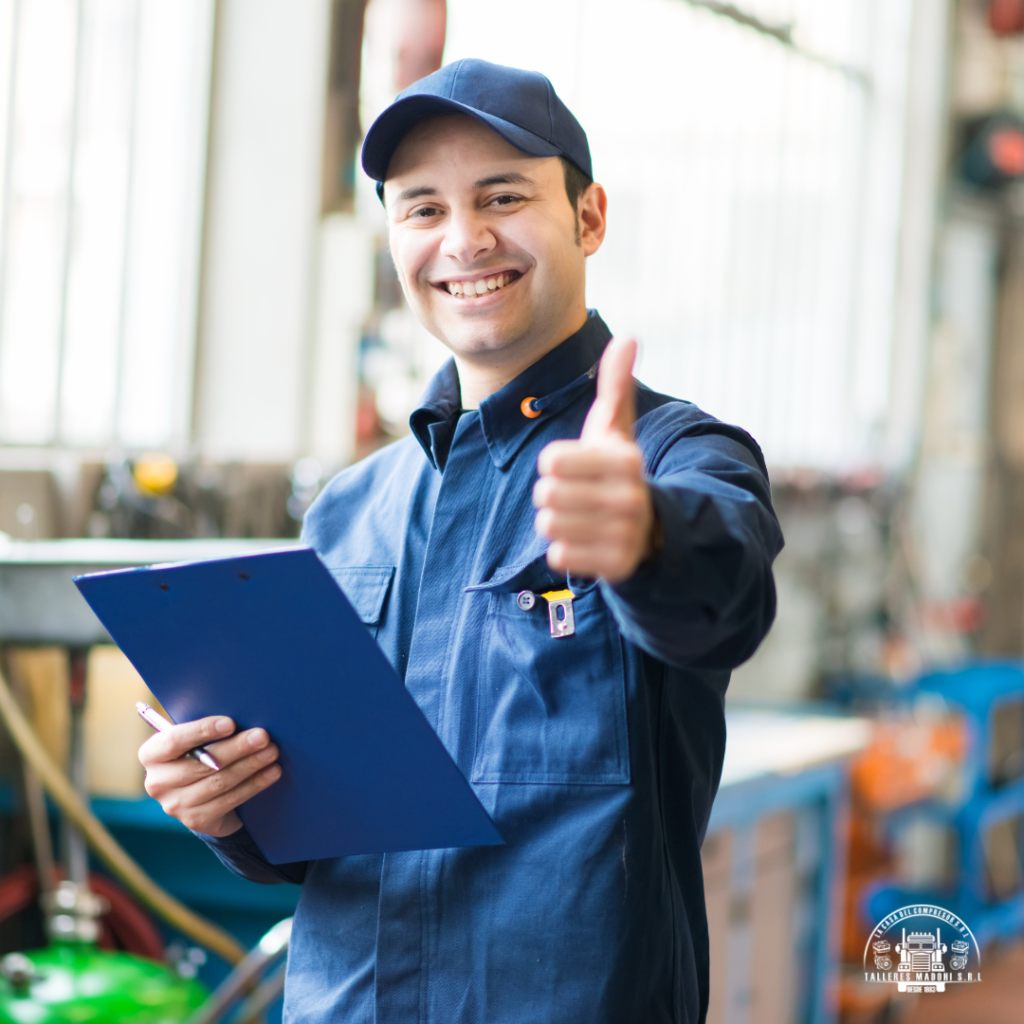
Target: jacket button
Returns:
[[526, 599]]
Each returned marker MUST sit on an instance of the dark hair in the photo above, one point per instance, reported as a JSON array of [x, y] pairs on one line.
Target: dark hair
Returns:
[[576, 183]]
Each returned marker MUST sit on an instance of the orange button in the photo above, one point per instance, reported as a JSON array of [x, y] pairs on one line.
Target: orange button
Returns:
[[528, 410]]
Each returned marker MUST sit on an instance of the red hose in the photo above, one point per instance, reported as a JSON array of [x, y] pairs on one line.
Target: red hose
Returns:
[[126, 926]]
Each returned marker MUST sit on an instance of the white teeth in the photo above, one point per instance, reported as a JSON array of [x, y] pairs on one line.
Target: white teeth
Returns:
[[469, 289]]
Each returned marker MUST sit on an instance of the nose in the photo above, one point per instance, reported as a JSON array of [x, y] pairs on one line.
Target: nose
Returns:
[[467, 237]]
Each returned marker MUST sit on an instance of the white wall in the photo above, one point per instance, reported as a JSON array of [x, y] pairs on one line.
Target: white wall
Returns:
[[262, 229]]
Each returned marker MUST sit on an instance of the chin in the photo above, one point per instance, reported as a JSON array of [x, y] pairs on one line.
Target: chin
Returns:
[[469, 336]]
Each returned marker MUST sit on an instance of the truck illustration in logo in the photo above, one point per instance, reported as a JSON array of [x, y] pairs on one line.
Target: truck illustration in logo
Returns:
[[920, 953]]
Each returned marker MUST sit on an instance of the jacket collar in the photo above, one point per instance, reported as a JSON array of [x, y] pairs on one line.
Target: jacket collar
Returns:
[[552, 383]]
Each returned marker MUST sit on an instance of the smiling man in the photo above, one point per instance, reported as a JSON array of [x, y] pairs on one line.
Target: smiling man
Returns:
[[563, 566]]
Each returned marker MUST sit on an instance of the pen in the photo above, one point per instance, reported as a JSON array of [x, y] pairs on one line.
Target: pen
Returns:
[[158, 722]]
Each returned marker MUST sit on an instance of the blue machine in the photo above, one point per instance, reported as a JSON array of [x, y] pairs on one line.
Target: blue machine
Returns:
[[986, 820]]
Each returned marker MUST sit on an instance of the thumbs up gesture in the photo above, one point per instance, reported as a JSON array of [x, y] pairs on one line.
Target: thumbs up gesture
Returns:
[[592, 500]]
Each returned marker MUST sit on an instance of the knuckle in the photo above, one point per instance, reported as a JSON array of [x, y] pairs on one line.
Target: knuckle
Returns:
[[216, 784]]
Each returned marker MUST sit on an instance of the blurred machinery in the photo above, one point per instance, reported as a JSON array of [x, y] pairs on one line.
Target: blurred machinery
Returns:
[[107, 958], [937, 815], [150, 495], [1006, 17], [993, 151]]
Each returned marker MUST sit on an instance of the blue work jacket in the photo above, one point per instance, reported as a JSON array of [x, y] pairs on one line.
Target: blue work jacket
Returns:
[[597, 754]]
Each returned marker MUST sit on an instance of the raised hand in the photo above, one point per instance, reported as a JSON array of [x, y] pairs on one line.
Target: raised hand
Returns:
[[592, 500], [200, 798]]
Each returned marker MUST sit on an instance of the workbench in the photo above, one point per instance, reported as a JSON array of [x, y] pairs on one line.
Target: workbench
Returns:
[[774, 863]]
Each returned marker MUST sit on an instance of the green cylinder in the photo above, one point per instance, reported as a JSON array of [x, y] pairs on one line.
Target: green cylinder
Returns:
[[78, 984]]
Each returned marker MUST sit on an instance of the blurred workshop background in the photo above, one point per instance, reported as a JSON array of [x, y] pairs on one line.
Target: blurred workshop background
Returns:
[[816, 231]]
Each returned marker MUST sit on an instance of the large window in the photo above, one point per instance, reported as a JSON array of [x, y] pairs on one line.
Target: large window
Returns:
[[103, 113], [753, 170], [754, 178]]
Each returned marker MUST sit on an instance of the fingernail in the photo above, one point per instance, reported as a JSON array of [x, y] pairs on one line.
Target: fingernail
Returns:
[[223, 726], [265, 755], [257, 738]]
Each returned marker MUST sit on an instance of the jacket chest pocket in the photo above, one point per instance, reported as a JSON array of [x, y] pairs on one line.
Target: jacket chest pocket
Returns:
[[366, 587], [550, 709]]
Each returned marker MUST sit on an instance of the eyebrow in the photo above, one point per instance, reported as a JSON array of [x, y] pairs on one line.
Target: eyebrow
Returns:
[[509, 178], [415, 193]]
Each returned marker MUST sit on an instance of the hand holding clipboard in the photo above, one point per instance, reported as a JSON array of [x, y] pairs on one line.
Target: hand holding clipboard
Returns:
[[271, 642]]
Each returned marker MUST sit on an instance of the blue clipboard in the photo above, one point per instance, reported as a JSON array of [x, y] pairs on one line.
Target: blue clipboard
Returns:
[[271, 640]]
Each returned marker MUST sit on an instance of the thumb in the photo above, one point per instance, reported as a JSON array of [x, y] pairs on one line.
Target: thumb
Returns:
[[613, 413]]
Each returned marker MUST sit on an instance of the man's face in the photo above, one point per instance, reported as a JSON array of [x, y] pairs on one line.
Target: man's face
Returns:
[[485, 241]]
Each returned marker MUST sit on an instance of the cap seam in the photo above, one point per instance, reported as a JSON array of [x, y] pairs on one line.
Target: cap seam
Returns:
[[455, 78], [551, 114]]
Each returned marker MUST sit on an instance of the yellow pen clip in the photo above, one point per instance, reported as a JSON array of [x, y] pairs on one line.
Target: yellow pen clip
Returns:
[[560, 613]]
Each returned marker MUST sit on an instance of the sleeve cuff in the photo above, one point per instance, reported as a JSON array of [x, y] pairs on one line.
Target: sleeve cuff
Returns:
[[660, 577], [233, 843]]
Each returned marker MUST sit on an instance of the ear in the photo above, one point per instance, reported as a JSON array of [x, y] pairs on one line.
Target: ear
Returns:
[[593, 210]]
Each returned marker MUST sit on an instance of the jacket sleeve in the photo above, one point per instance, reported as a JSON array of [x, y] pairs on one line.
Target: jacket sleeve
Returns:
[[239, 853], [708, 597]]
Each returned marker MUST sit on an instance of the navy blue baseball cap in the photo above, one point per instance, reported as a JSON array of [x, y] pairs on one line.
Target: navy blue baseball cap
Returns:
[[521, 106]]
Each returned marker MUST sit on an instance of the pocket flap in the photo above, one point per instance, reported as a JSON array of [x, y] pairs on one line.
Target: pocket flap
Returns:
[[534, 574], [366, 586]]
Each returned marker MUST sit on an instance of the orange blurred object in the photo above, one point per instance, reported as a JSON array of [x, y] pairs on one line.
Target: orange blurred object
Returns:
[[909, 760], [1006, 151]]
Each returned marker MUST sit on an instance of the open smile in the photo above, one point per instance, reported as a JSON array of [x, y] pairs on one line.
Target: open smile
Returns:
[[479, 287]]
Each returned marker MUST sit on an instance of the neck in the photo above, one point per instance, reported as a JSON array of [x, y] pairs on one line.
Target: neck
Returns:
[[482, 375]]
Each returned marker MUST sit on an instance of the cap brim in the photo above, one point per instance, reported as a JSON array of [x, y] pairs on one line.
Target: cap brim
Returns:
[[392, 126]]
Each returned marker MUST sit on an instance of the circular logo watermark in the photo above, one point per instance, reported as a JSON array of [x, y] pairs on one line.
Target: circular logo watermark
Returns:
[[921, 948]]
